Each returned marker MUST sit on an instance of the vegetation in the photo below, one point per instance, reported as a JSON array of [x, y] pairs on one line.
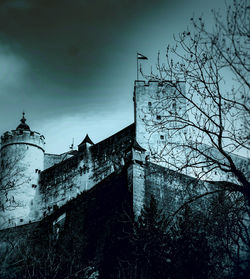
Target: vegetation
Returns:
[[199, 244]]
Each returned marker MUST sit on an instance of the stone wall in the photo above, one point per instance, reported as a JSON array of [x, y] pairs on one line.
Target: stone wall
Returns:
[[52, 159], [156, 107], [21, 161], [79, 230], [64, 181], [136, 184], [170, 189]]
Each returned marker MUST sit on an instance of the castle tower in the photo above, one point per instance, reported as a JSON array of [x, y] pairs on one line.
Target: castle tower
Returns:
[[21, 161], [136, 176], [157, 106]]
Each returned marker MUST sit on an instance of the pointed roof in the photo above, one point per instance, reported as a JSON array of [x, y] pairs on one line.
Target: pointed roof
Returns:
[[137, 146], [86, 140], [23, 126]]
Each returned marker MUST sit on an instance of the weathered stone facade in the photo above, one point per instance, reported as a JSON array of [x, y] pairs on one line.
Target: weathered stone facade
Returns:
[[22, 160]]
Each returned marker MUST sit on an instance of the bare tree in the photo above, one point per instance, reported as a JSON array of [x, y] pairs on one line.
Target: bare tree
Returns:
[[12, 177], [213, 127]]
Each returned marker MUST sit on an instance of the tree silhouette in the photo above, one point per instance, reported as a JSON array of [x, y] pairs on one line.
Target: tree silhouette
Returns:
[[213, 61], [12, 177]]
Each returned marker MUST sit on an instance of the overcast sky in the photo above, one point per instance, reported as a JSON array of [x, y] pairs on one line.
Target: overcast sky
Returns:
[[71, 64]]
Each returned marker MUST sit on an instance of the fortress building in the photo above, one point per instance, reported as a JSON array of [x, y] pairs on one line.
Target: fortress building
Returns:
[[36, 184]]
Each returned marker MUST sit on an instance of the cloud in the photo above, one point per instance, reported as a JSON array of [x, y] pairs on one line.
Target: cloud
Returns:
[[67, 38], [12, 71], [61, 54]]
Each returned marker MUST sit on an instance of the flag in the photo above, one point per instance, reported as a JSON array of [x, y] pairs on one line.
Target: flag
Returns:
[[140, 56]]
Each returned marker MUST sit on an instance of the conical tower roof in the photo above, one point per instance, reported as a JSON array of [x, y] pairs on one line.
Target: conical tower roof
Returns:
[[137, 146], [86, 140], [23, 126]]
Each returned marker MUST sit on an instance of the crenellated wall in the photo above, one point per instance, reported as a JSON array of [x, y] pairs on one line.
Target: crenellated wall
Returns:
[[22, 137]]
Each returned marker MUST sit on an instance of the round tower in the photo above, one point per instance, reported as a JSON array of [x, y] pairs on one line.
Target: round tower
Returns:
[[21, 161]]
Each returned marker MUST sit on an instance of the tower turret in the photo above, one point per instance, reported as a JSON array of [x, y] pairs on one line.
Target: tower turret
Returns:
[[157, 105], [85, 143], [21, 161]]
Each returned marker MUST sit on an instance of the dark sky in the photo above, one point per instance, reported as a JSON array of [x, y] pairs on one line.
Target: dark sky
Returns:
[[70, 64]]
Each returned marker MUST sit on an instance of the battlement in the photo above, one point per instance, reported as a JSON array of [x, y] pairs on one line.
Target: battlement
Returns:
[[153, 89], [156, 83], [22, 137]]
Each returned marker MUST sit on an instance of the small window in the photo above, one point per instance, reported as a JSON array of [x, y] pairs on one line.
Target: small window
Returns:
[[34, 185], [158, 117], [80, 171], [21, 220], [149, 104], [161, 137]]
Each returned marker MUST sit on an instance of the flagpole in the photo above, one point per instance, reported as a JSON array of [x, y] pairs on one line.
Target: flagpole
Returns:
[[137, 64], [139, 56]]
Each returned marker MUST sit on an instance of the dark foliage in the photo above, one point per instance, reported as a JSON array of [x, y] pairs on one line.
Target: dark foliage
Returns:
[[146, 249], [197, 244]]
